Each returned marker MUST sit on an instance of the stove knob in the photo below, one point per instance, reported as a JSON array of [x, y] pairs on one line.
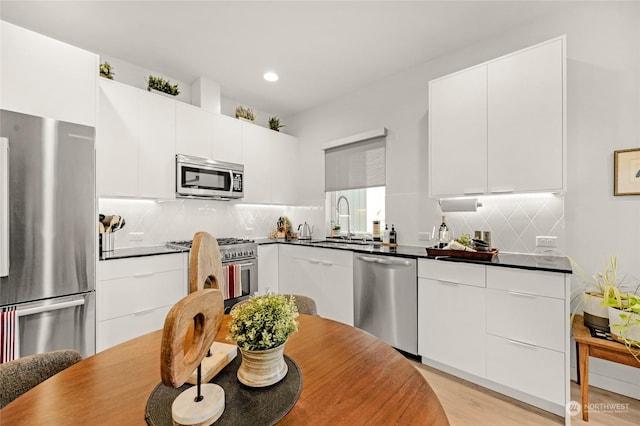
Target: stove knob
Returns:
[[227, 255]]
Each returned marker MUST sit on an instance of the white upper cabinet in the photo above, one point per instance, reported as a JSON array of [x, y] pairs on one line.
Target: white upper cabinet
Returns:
[[117, 140], [194, 130], [226, 139], [499, 127], [458, 133], [46, 77], [526, 120], [156, 146], [268, 156], [135, 143]]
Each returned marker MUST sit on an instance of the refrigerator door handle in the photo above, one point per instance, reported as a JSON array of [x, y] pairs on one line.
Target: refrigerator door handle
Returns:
[[48, 308], [4, 207]]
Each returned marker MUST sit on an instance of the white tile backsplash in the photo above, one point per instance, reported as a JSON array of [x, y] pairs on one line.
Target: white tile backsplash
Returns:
[[179, 219], [515, 221]]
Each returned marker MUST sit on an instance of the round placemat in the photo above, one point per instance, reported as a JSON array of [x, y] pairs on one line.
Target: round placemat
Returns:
[[244, 405]]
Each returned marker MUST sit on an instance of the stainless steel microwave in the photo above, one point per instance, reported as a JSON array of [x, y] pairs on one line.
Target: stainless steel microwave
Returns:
[[198, 177]]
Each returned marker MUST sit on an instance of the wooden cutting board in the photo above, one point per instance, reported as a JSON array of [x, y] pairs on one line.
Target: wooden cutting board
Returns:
[[205, 263]]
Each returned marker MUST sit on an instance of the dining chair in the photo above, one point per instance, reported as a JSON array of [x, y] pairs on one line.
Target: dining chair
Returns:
[[22, 374], [306, 305]]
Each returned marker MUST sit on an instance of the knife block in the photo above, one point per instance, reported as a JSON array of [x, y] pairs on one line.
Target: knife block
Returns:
[[106, 241]]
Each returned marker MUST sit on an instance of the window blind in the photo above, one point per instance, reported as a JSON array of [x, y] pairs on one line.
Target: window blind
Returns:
[[355, 165]]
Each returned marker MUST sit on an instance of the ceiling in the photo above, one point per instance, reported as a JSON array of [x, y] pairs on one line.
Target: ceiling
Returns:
[[320, 49]]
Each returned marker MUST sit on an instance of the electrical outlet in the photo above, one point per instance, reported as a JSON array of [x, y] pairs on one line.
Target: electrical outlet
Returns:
[[136, 236], [546, 241], [424, 236]]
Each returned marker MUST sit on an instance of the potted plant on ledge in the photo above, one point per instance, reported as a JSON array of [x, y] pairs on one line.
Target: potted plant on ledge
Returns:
[[162, 85], [275, 124], [106, 70], [244, 113], [260, 327]]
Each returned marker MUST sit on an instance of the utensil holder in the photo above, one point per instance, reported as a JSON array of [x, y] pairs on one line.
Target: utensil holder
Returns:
[[107, 242]]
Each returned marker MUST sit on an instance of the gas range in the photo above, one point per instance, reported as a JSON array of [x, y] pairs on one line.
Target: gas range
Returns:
[[231, 249]]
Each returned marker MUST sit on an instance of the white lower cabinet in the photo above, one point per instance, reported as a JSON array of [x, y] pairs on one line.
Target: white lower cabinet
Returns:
[[511, 336], [326, 275], [527, 326], [451, 315], [531, 369], [268, 276], [134, 295]]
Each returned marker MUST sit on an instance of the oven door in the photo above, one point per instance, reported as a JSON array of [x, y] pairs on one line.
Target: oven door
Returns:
[[249, 272], [197, 180]]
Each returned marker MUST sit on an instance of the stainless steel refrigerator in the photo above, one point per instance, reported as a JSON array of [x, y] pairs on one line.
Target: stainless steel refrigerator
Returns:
[[48, 228]]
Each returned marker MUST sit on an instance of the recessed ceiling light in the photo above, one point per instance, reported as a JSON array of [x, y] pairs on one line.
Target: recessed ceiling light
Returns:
[[270, 76]]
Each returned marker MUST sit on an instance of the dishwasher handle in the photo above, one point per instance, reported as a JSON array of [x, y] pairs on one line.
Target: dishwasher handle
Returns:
[[391, 262]]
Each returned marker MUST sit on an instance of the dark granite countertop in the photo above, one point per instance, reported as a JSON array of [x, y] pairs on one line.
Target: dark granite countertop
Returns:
[[124, 253], [534, 262]]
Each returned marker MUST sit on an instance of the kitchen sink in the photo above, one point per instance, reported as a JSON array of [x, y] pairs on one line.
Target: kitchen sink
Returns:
[[341, 241]]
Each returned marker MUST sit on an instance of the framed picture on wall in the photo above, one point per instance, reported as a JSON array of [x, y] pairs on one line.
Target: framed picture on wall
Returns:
[[627, 172]]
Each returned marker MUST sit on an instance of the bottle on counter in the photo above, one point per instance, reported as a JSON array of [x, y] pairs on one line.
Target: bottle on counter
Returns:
[[376, 230], [393, 235], [443, 233], [385, 235]]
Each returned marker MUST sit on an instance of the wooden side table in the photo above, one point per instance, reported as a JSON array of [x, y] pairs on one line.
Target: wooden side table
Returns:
[[599, 348]]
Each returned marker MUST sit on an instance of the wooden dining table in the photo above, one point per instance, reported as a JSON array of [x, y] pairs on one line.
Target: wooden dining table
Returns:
[[348, 377]]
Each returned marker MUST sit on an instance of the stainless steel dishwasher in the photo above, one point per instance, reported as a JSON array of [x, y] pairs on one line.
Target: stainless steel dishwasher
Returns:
[[385, 298]]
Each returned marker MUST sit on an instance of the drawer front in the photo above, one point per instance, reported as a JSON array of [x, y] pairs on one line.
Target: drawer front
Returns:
[[118, 330], [536, 320], [132, 295], [137, 266], [530, 369], [325, 256], [541, 283], [440, 326], [454, 272]]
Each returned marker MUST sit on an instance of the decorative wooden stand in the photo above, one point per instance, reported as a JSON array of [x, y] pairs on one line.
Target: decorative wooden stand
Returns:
[[189, 330]]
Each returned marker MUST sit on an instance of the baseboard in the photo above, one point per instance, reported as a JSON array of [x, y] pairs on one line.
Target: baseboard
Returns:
[[610, 384], [549, 406]]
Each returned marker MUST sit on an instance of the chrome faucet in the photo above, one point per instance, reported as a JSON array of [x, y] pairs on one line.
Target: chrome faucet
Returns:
[[342, 197]]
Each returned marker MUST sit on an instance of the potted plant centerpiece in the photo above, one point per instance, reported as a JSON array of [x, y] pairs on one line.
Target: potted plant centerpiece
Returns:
[[260, 327]]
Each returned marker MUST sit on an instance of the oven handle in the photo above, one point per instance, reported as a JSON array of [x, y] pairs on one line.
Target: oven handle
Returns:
[[239, 263]]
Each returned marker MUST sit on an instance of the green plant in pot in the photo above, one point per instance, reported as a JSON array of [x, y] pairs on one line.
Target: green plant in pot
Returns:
[[335, 228], [244, 112], [595, 289], [624, 319], [106, 70], [260, 327], [162, 85], [275, 124]]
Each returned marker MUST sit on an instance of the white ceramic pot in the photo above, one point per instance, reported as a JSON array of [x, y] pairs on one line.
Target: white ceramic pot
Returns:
[[262, 368], [595, 315], [632, 332]]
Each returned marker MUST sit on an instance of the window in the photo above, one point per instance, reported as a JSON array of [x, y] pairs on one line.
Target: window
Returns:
[[366, 205], [356, 170]]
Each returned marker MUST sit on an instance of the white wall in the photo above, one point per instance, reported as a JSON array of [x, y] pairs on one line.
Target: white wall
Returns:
[[603, 73]]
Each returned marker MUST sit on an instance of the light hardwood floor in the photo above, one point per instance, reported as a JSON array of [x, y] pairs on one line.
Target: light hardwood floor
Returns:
[[469, 404]]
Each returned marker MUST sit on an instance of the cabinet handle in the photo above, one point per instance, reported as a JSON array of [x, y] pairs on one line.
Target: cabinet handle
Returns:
[[314, 261], [146, 274], [393, 262], [367, 259], [326, 263], [502, 191], [146, 311], [526, 345], [473, 192], [449, 283], [517, 293]]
